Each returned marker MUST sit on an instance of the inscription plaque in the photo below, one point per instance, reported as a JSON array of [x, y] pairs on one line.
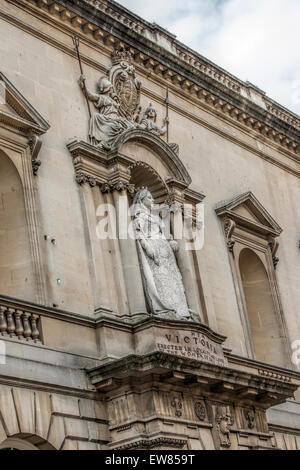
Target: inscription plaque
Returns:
[[191, 345]]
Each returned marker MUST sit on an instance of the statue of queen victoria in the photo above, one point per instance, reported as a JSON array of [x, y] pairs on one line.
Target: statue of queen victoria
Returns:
[[161, 276]]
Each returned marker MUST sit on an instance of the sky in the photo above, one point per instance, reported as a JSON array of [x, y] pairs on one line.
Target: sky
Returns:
[[255, 40]]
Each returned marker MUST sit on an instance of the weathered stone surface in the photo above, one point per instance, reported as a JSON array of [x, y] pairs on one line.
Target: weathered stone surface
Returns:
[[89, 362], [65, 405], [43, 413], [8, 411], [24, 401], [57, 432]]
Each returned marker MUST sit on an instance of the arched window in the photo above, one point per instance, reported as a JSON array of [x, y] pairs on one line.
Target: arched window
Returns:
[[16, 271], [265, 328], [21, 265], [251, 236]]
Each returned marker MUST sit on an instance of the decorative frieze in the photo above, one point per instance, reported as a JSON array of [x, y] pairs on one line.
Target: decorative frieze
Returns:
[[274, 375], [118, 186]]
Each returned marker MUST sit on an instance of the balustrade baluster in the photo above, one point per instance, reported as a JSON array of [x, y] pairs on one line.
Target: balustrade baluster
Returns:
[[11, 327], [27, 328], [19, 325], [35, 332], [3, 322]]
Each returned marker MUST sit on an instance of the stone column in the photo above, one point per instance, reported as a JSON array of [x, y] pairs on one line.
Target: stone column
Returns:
[[187, 268]]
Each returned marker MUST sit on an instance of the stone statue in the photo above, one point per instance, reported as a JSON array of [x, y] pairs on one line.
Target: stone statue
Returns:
[[106, 124], [161, 277], [148, 121]]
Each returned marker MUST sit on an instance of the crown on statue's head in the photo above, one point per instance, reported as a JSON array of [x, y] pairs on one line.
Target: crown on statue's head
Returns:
[[121, 55]]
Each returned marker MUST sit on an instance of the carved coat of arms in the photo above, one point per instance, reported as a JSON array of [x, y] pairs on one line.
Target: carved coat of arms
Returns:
[[117, 103], [125, 84]]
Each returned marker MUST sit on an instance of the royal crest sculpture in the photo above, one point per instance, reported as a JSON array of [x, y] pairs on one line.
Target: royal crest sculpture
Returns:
[[117, 104]]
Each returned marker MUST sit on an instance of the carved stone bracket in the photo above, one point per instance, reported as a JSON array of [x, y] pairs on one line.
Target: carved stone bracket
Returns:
[[35, 145], [274, 245], [229, 227]]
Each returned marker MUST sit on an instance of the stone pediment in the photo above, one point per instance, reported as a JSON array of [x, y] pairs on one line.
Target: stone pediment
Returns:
[[247, 211], [17, 113]]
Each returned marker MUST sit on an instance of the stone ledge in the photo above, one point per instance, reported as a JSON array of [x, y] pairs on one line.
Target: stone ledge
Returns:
[[238, 385]]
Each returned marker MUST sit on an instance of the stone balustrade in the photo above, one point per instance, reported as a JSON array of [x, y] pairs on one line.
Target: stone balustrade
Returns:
[[19, 324]]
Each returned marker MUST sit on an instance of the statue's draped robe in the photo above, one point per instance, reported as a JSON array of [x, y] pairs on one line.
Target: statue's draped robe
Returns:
[[107, 124], [163, 282]]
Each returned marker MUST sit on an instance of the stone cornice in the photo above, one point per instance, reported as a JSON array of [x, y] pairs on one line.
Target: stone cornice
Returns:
[[256, 387], [159, 52]]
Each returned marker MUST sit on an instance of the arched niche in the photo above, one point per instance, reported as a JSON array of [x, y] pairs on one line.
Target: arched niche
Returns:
[[138, 159], [16, 269], [265, 326], [143, 175]]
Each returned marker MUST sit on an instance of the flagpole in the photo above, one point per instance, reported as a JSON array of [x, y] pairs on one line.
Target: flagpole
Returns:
[[76, 44]]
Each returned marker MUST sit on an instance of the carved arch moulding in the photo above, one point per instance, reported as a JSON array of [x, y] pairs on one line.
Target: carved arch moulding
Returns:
[[114, 168]]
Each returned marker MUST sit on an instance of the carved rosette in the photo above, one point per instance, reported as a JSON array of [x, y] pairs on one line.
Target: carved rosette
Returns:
[[200, 411]]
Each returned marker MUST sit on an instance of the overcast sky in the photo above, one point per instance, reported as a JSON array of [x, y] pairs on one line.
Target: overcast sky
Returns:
[[255, 40]]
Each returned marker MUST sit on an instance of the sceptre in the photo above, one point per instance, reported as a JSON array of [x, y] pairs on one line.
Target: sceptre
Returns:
[[76, 44], [167, 113]]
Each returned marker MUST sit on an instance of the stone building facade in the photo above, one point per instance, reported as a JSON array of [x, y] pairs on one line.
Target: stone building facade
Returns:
[[89, 359]]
